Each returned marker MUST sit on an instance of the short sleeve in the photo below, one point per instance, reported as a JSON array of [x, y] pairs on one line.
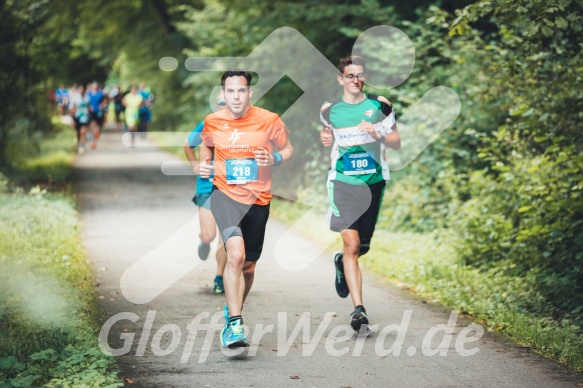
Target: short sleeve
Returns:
[[279, 133], [194, 138], [206, 134]]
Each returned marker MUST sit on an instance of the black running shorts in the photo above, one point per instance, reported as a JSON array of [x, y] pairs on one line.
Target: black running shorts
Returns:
[[94, 116], [79, 124], [238, 219], [355, 207]]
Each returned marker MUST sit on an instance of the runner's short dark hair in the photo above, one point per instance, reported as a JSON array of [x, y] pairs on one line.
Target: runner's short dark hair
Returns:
[[236, 73], [352, 60]]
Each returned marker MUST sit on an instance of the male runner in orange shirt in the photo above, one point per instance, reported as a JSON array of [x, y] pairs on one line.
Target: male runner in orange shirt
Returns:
[[241, 139]]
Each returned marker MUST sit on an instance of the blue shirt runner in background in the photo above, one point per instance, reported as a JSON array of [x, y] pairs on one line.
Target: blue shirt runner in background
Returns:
[[203, 185]]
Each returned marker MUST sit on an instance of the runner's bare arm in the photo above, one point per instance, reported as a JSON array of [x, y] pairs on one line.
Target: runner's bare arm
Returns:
[[191, 155], [286, 152], [393, 139], [326, 137], [206, 155], [264, 158]]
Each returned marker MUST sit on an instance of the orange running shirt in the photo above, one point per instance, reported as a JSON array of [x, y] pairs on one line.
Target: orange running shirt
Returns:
[[234, 140]]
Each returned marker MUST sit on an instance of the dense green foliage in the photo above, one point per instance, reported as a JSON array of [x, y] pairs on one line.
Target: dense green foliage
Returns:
[[502, 185], [511, 167], [526, 205]]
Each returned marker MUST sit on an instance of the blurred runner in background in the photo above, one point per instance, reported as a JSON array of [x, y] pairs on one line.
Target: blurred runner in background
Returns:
[[204, 188]]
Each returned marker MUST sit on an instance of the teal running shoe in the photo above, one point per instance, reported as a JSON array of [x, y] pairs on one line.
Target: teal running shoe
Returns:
[[227, 318], [219, 287], [232, 336]]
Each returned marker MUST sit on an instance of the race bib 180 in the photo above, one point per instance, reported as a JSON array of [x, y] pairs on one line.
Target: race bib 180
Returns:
[[357, 163], [241, 171]]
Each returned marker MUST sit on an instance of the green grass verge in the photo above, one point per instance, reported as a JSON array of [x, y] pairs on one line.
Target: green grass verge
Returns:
[[426, 264], [48, 314], [44, 160]]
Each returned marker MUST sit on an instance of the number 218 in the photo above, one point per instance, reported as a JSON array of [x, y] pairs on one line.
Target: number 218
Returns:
[[242, 171]]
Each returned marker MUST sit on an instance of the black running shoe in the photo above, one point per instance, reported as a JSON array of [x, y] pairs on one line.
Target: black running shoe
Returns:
[[204, 250], [358, 318], [340, 282]]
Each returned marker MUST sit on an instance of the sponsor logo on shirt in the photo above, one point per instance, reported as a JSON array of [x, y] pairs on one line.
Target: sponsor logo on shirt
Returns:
[[351, 136], [235, 136]]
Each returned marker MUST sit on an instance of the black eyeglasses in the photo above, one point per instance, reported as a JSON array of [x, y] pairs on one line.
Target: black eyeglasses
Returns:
[[351, 77]]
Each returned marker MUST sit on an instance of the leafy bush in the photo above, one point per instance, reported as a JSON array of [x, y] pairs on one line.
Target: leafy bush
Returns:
[[530, 216]]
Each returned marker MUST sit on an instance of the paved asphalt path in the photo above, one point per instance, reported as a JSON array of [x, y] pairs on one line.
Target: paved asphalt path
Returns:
[[130, 209]]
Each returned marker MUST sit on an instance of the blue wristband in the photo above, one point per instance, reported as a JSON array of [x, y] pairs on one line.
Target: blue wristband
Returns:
[[277, 159], [381, 139]]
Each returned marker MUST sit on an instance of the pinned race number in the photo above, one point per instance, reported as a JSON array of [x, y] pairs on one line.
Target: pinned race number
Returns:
[[357, 163], [241, 171]]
